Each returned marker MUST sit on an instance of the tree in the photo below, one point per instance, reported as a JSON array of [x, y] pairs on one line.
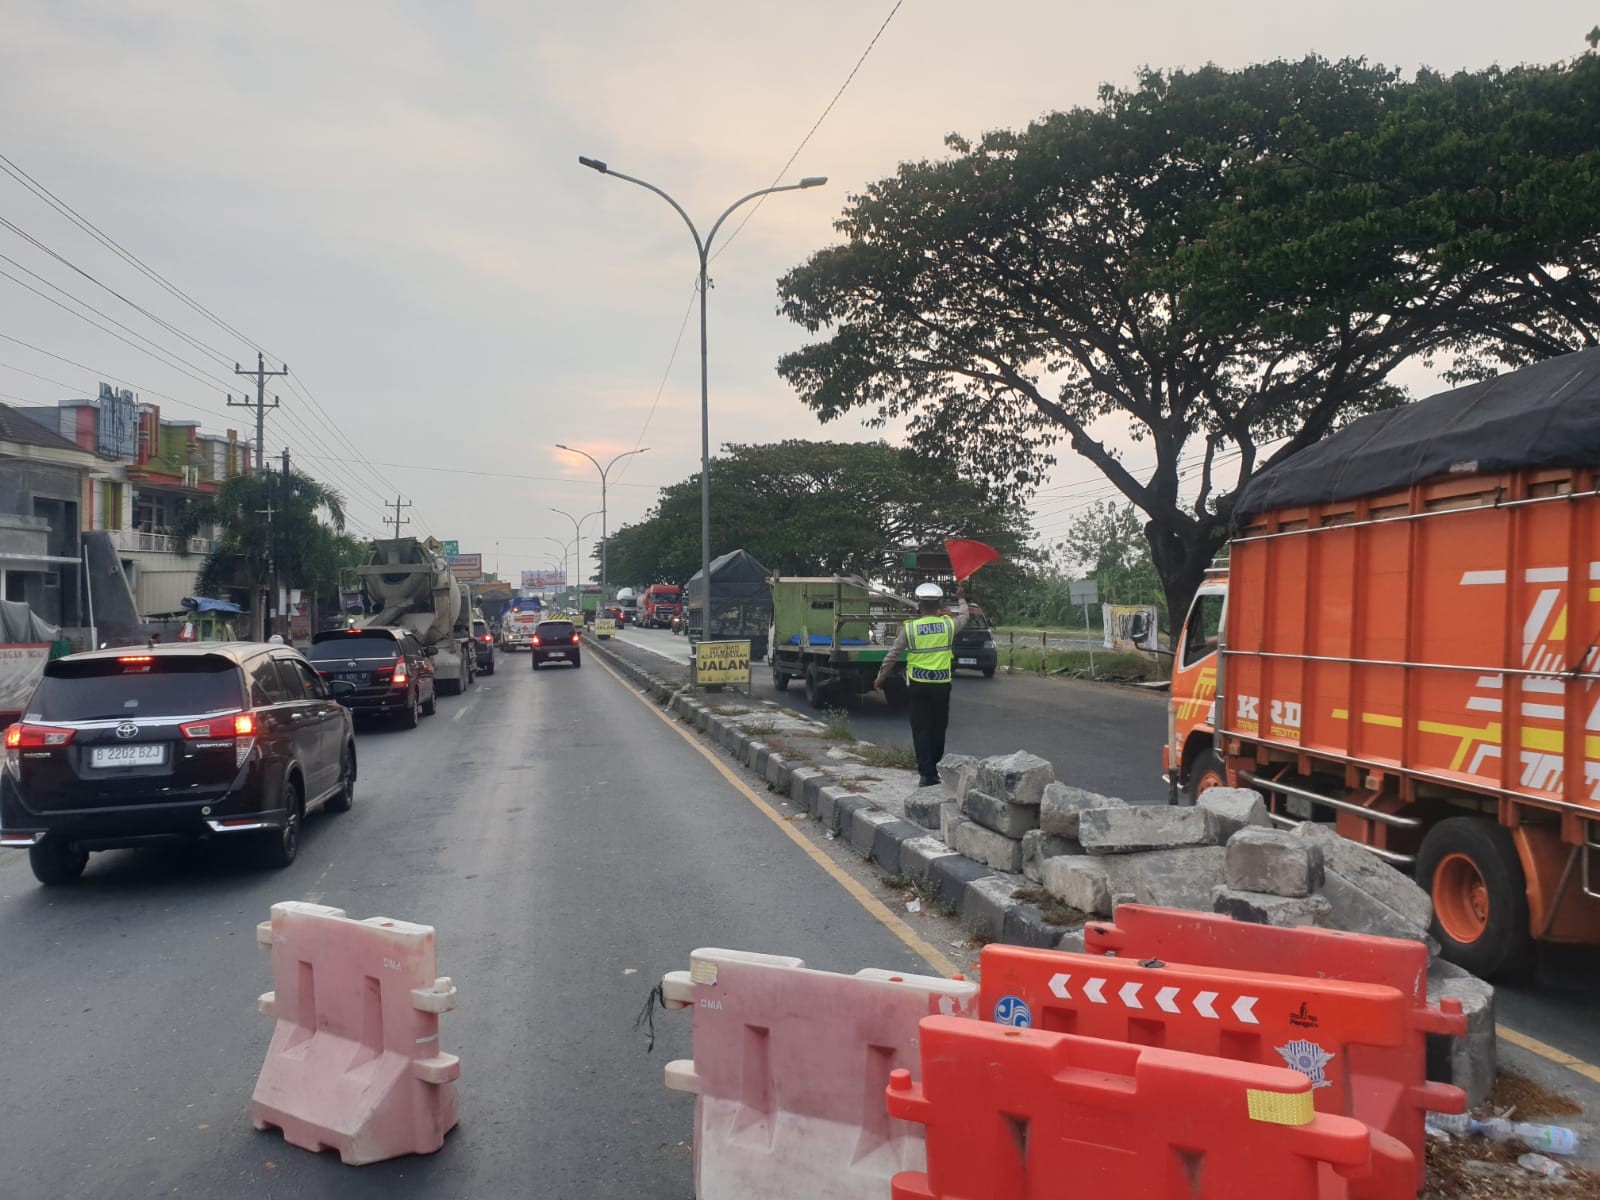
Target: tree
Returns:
[[241, 559], [808, 508], [1107, 543], [1214, 261]]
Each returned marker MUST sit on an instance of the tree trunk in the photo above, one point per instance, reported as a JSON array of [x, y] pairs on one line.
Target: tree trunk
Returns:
[[1181, 557]]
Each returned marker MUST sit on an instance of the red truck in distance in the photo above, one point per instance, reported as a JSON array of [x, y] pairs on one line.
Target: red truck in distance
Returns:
[[658, 606]]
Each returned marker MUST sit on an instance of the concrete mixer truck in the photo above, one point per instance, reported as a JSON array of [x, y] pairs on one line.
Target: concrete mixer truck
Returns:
[[413, 589]]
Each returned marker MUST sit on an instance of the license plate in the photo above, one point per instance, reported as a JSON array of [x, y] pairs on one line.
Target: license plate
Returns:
[[557, 654], [966, 662], [149, 754], [348, 677]]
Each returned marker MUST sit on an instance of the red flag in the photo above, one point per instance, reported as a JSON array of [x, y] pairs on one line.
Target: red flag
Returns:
[[966, 557]]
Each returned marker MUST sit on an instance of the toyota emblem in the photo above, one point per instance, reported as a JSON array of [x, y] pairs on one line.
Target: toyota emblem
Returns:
[[127, 730]]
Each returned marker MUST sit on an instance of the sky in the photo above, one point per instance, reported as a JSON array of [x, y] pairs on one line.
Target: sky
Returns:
[[386, 196]]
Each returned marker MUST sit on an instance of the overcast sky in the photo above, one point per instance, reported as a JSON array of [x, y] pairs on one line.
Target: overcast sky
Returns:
[[387, 196]]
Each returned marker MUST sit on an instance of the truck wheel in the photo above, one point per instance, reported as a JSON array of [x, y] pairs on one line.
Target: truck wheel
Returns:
[[814, 696], [1470, 867], [1205, 773], [780, 679], [54, 862]]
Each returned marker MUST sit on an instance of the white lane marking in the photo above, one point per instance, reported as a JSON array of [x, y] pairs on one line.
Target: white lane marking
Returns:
[[1130, 995], [1202, 1005], [1058, 987], [1092, 990], [1244, 1009], [1166, 999]]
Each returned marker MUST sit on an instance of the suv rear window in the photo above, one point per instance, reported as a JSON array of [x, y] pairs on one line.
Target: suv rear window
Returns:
[[554, 629], [367, 644], [480, 627], [105, 689]]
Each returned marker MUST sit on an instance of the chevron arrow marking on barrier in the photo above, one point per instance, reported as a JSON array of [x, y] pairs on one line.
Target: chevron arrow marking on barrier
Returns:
[[1244, 1009], [1058, 987], [1130, 995], [1165, 999], [1092, 990], [1202, 1005]]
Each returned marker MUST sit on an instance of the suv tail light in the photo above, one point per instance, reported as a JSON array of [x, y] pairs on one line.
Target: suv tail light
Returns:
[[233, 725], [574, 637], [400, 678], [536, 641], [35, 737]]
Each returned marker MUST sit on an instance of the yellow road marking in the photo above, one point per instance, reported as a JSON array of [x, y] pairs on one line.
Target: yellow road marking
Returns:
[[877, 908], [1546, 1051]]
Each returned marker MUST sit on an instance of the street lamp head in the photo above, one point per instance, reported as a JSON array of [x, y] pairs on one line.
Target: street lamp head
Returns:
[[562, 446], [811, 181], [594, 164]]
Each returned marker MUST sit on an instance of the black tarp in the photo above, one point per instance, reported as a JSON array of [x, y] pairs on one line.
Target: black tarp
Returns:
[[735, 576], [1544, 415], [741, 601]]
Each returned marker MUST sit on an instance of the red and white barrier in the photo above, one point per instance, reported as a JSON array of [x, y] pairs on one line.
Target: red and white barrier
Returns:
[[355, 1064], [790, 1069]]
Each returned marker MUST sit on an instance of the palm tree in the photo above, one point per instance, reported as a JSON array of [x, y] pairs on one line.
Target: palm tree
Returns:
[[242, 555]]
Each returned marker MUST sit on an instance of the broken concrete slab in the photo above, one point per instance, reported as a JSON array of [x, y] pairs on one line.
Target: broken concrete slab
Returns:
[[1083, 881], [1468, 1062], [1131, 830], [923, 805], [1000, 814], [1233, 809], [1367, 894], [1182, 878], [917, 856], [1274, 861], [949, 814], [984, 905], [951, 766], [1264, 908], [986, 846], [1019, 777], [1061, 806], [1037, 845]]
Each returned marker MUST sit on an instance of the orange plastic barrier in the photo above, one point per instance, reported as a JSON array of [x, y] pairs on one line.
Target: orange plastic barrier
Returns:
[[789, 1072], [1387, 1086], [1015, 1114], [355, 1064]]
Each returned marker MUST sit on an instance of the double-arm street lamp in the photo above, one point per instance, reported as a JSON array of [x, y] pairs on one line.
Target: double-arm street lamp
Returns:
[[703, 248], [605, 534], [566, 551], [577, 531]]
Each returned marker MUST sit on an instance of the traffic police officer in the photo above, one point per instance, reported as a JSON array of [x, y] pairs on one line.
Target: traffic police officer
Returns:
[[928, 643]]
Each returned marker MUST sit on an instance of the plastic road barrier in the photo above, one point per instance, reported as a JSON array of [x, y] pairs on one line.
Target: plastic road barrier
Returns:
[[1016, 1113], [1387, 1086], [355, 1064], [789, 1071]]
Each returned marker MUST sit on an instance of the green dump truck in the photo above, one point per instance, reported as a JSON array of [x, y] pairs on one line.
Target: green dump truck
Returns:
[[832, 632]]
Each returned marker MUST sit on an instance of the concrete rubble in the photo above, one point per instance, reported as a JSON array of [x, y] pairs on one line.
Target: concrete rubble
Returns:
[[1274, 861], [1061, 807], [1130, 829]]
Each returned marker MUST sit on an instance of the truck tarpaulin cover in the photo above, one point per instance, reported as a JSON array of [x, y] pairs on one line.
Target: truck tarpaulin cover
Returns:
[[24, 648], [1545, 415], [737, 576]]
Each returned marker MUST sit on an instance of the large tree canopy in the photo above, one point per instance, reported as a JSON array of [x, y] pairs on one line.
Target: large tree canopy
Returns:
[[806, 508], [1220, 263]]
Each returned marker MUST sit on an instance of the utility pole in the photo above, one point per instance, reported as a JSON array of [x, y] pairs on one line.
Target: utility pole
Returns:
[[397, 520], [260, 619], [283, 506], [260, 375]]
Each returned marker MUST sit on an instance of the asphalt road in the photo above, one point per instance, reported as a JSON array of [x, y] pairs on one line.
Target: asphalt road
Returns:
[[569, 846], [1101, 736]]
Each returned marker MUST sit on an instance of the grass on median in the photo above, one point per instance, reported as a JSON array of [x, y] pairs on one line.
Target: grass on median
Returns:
[[902, 757], [1108, 665], [838, 728], [1053, 910]]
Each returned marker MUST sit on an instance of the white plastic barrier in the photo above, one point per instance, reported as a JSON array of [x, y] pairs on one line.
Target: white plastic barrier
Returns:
[[790, 1069]]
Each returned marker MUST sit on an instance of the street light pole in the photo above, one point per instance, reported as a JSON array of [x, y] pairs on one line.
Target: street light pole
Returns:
[[577, 530], [566, 549], [605, 533], [703, 249]]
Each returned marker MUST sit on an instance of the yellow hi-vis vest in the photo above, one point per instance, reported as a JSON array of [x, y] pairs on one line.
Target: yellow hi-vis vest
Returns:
[[929, 654]]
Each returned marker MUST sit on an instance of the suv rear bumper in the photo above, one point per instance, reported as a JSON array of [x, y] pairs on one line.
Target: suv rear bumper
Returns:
[[984, 658], [375, 703], [219, 812]]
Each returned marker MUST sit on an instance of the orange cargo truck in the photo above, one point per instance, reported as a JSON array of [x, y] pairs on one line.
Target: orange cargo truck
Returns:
[[1404, 640]]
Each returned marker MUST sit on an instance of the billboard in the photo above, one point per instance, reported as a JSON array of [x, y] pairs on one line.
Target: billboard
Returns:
[[539, 581], [466, 567], [116, 423], [1131, 626]]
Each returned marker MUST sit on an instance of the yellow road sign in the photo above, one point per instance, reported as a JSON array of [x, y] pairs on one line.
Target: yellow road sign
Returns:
[[604, 627], [723, 662]]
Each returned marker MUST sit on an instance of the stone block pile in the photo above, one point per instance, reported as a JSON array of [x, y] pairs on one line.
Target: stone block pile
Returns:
[[985, 808]]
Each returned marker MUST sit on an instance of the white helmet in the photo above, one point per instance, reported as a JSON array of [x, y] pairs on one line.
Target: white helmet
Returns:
[[929, 591]]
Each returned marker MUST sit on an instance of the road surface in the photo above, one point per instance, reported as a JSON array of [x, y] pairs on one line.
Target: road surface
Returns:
[[569, 845], [1104, 737]]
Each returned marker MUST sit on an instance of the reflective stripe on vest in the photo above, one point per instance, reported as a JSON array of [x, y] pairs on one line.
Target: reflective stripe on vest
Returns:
[[929, 655]]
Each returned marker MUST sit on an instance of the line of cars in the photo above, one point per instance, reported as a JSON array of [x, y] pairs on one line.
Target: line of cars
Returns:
[[141, 746]]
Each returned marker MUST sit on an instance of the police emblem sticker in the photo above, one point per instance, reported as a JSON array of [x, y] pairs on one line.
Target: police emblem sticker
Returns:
[[1013, 1011], [1310, 1059]]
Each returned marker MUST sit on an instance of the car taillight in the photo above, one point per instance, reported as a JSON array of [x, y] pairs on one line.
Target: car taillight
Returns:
[[400, 678], [233, 725], [22, 736], [536, 639], [574, 638]]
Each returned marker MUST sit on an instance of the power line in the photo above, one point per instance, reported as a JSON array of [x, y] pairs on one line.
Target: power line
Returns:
[[489, 474], [662, 386]]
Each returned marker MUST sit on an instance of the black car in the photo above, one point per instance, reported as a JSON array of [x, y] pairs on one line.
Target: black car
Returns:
[[392, 671], [483, 643], [120, 748], [974, 647], [555, 641]]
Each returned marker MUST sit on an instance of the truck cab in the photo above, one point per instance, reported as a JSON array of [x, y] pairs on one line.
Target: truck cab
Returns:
[[1190, 758]]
